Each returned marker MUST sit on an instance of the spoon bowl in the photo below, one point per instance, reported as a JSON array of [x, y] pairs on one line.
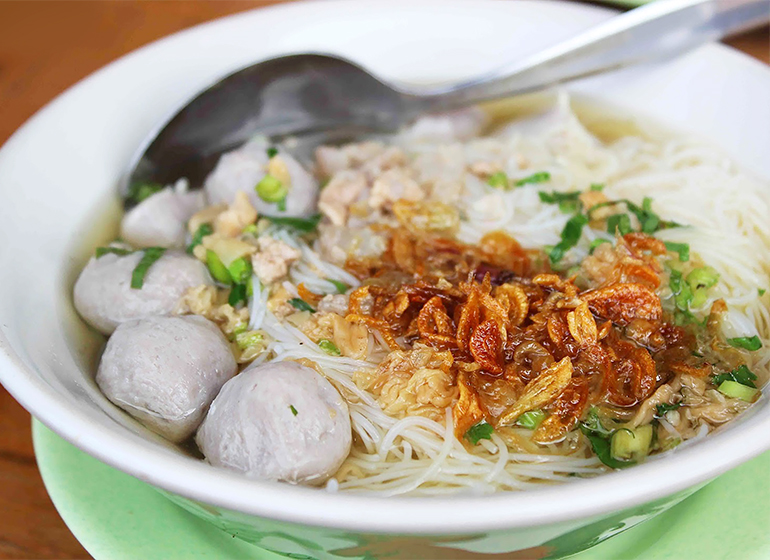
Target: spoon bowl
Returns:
[[321, 98]]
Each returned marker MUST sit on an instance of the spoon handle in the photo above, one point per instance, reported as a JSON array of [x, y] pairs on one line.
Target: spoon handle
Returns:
[[655, 31]]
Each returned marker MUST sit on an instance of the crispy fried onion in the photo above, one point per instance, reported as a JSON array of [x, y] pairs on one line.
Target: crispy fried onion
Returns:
[[525, 339]]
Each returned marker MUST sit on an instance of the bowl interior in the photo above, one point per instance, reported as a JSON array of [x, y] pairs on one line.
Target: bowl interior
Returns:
[[58, 178]]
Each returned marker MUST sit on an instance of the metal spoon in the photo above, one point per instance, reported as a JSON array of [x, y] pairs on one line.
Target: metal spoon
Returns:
[[323, 98]]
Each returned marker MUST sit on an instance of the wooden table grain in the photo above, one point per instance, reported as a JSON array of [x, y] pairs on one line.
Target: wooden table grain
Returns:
[[46, 47]]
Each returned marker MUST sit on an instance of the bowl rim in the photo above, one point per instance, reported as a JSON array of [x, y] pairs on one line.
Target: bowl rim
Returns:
[[407, 515]]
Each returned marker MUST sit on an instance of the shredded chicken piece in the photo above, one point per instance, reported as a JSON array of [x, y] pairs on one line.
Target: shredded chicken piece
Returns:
[[334, 303], [238, 215], [278, 303], [271, 261], [664, 394], [392, 185], [339, 194]]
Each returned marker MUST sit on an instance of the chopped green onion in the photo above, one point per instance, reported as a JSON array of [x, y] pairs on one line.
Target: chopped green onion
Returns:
[[121, 252], [531, 420], [751, 343], [619, 223], [570, 236], [240, 270], [596, 242], [631, 445], [303, 225], [217, 269], [479, 431], [240, 328], [738, 391], [498, 180], [682, 249], [197, 238], [301, 304], [568, 202], [238, 294], [663, 408], [271, 189], [248, 339], [340, 286], [281, 205], [761, 291], [329, 347], [741, 374], [272, 152], [142, 191], [597, 187], [703, 277], [602, 449], [250, 229], [681, 290], [649, 221], [151, 254], [539, 177], [293, 410]]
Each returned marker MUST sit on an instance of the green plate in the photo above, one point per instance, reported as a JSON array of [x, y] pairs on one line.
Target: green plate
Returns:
[[115, 516]]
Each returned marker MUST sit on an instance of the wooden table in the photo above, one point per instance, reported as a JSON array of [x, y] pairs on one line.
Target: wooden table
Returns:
[[44, 48]]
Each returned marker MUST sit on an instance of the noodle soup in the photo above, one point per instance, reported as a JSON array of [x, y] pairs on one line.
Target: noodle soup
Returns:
[[466, 306]]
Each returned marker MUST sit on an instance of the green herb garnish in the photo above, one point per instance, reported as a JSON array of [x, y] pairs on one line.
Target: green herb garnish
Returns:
[[329, 347], [751, 343], [539, 177], [498, 180], [479, 431], [301, 304], [570, 236], [197, 238], [303, 225], [568, 202], [341, 287], [293, 410], [101, 251], [761, 291], [663, 408], [272, 152], [599, 437], [238, 294], [531, 420], [217, 268], [247, 339], [151, 254], [271, 189], [682, 249], [142, 191], [741, 374], [619, 224], [597, 187], [240, 270]]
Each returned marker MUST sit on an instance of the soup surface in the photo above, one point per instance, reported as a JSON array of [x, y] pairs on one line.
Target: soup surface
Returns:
[[477, 303]]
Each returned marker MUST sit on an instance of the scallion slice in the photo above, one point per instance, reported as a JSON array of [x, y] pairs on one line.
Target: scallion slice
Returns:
[[301, 304], [329, 347], [751, 343], [271, 189], [479, 431], [151, 254], [217, 268]]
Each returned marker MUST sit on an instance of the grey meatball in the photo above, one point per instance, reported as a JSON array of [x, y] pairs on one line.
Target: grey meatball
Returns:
[[278, 421], [165, 371], [242, 169], [104, 296], [160, 221]]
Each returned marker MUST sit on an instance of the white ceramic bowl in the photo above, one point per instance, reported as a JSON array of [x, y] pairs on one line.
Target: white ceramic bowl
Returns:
[[58, 176]]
